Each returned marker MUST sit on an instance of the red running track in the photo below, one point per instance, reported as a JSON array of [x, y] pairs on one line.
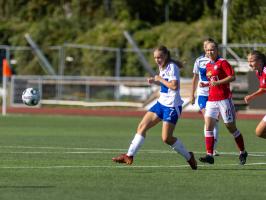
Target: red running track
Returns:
[[110, 112]]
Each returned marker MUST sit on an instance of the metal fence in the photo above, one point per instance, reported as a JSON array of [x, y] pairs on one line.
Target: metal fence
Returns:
[[72, 59], [65, 58], [86, 91]]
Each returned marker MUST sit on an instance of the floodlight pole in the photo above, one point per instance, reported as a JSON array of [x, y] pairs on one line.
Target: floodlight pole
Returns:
[[224, 34]]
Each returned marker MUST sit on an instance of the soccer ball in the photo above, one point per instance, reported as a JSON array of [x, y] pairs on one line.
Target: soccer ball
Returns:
[[31, 97]]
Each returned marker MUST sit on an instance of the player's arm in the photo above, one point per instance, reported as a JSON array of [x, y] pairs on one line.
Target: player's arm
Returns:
[[228, 69], [252, 96], [151, 80], [195, 81], [228, 79], [173, 84]]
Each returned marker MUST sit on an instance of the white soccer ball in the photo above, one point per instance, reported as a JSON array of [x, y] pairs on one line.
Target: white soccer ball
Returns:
[[31, 97]]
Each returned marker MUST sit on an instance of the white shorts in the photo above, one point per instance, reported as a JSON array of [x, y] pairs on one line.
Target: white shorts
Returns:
[[224, 107], [264, 118]]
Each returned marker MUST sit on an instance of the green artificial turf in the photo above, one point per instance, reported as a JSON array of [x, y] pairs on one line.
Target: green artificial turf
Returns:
[[65, 157]]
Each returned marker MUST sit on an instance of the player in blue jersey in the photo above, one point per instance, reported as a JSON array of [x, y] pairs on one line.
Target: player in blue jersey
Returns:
[[200, 84], [167, 109]]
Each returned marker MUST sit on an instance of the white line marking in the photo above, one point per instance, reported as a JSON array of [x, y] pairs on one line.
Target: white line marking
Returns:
[[50, 152], [107, 151], [122, 166], [104, 152], [63, 148]]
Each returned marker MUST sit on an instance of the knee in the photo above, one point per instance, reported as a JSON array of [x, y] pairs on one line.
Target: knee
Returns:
[[168, 140], [231, 128], [260, 133], [164, 139]]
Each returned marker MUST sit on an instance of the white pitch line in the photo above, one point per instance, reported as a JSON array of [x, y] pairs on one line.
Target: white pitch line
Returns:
[[122, 166], [49, 152], [255, 154], [111, 151], [65, 148], [105, 152]]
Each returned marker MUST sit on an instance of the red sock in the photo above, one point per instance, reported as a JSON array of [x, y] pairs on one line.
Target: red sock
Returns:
[[240, 143], [209, 141]]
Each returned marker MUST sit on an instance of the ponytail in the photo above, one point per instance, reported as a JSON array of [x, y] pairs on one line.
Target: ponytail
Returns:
[[178, 63], [166, 52]]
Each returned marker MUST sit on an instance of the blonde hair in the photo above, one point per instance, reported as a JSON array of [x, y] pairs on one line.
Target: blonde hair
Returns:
[[206, 41]]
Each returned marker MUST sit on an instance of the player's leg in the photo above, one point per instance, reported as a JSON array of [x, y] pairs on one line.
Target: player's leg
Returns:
[[261, 128], [169, 122], [211, 115], [216, 137], [202, 101], [228, 114], [239, 141], [150, 119]]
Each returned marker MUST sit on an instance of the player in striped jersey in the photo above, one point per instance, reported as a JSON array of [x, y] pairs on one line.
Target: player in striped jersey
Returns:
[[200, 84], [167, 109], [257, 61]]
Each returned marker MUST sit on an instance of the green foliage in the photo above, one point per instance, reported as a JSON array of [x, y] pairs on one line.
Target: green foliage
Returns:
[[254, 28], [188, 39], [100, 62], [174, 23], [240, 11]]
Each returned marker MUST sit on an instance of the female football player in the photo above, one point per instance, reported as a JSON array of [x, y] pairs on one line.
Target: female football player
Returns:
[[220, 73], [200, 83], [167, 109], [257, 61]]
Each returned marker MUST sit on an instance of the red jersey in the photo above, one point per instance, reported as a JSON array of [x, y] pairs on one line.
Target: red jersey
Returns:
[[262, 77], [215, 71]]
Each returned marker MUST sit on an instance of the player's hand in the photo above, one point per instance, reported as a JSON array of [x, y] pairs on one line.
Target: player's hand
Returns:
[[192, 100], [150, 80], [214, 83], [202, 84], [157, 78], [247, 98]]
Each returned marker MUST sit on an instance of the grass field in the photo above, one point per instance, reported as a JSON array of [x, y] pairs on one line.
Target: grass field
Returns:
[[63, 158]]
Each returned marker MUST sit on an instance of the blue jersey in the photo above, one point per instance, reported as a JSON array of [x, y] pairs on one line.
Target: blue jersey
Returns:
[[169, 97], [200, 69]]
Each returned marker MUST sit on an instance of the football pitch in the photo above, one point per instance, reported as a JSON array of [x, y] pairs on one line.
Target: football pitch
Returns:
[[65, 157]]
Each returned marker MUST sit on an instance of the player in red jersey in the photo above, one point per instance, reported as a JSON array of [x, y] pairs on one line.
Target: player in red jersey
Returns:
[[257, 61], [200, 84], [220, 73]]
